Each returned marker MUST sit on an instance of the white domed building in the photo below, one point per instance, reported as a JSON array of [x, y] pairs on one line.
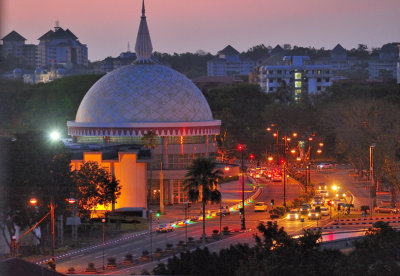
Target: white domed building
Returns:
[[133, 100]]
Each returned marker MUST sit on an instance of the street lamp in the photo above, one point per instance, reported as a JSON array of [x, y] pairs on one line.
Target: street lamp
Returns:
[[240, 148], [103, 221], [371, 171], [33, 201], [150, 231]]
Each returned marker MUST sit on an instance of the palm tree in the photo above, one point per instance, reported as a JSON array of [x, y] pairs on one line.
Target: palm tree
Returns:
[[149, 141], [201, 183]]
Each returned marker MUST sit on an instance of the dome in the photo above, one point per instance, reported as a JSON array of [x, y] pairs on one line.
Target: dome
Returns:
[[141, 93]]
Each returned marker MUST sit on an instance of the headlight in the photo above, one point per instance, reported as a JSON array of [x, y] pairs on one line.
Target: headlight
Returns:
[[309, 214], [288, 216], [316, 215], [327, 194], [344, 195], [297, 216]]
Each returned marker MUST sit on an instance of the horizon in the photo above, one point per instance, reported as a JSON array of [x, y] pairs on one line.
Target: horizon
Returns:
[[189, 26]]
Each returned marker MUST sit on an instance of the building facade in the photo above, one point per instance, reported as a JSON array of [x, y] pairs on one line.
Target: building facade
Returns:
[[297, 75], [229, 63], [61, 47], [385, 65], [14, 47]]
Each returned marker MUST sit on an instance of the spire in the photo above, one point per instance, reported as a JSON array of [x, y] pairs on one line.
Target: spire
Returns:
[[143, 45]]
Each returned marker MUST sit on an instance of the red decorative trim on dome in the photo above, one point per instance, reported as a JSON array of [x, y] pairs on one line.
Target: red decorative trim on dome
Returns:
[[140, 131]]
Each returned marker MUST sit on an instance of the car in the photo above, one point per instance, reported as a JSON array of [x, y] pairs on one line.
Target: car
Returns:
[[260, 206], [305, 208], [324, 211], [323, 193], [318, 200], [386, 209], [164, 228], [293, 215], [325, 166], [313, 214]]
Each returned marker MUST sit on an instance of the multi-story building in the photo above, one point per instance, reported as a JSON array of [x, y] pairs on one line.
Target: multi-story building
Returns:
[[385, 65], [14, 46], [296, 74], [61, 47], [229, 63]]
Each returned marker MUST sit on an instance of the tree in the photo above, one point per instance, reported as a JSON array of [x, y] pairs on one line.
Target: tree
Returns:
[[95, 186], [34, 166], [201, 183], [149, 141]]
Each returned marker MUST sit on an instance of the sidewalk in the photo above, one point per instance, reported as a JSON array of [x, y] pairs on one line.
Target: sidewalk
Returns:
[[231, 195]]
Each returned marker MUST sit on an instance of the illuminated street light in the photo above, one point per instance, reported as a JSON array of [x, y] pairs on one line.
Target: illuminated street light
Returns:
[[275, 134], [294, 134], [227, 169], [268, 129], [298, 158], [288, 139], [293, 151], [310, 139], [321, 144], [319, 151], [334, 187], [33, 201], [55, 136], [270, 158]]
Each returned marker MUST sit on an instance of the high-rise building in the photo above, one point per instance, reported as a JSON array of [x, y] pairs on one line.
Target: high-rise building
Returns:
[[14, 47], [61, 47]]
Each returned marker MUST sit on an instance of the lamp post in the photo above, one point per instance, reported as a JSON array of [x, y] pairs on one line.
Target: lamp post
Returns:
[[371, 171], [243, 227], [150, 232], [186, 218], [103, 221]]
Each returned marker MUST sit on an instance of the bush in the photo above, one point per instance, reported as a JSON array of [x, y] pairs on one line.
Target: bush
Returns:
[[190, 239], [111, 261], [215, 231], [128, 256]]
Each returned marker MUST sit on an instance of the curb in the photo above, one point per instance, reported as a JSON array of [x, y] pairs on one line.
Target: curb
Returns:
[[325, 228], [364, 219], [365, 222]]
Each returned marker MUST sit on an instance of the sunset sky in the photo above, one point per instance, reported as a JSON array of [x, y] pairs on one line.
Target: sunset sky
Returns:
[[179, 26]]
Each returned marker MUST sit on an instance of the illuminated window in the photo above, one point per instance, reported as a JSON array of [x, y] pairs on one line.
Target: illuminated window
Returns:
[[298, 91], [297, 76], [319, 72], [297, 84]]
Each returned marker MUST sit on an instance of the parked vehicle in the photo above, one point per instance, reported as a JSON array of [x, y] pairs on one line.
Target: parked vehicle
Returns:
[[260, 206]]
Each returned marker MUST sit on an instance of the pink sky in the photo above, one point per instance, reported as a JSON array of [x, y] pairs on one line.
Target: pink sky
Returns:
[[179, 26]]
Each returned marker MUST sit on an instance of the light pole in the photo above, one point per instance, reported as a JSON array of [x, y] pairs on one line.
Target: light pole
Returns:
[[150, 231], [103, 221], [186, 218], [243, 227], [371, 171]]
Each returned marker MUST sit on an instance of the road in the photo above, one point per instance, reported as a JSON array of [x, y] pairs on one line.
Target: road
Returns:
[[270, 190]]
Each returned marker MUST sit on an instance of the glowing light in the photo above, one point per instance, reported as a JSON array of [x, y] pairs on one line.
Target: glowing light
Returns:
[[227, 169], [55, 135], [294, 134], [275, 134], [268, 129], [321, 144], [33, 201], [288, 139], [293, 151], [344, 195], [334, 187], [240, 147], [298, 159], [310, 139], [319, 151], [270, 158], [71, 200]]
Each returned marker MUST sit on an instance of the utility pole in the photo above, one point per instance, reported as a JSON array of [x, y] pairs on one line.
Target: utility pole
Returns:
[[371, 171]]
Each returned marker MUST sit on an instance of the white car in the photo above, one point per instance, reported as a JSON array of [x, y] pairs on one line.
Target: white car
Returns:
[[293, 215], [323, 193], [325, 166], [324, 211], [260, 206]]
